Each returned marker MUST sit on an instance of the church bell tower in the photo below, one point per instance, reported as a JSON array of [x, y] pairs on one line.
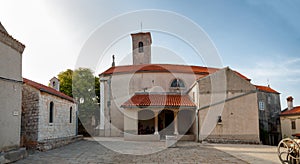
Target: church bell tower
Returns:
[[141, 48]]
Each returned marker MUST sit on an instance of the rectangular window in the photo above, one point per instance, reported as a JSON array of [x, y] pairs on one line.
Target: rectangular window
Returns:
[[71, 115], [293, 124], [261, 105], [193, 96]]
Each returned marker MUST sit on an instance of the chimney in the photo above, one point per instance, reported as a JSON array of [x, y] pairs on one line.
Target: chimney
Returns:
[[54, 83], [290, 102]]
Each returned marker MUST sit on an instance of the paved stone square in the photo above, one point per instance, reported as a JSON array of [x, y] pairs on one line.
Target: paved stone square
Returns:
[[96, 151]]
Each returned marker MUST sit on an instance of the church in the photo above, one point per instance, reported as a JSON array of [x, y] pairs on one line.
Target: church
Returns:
[[147, 102]]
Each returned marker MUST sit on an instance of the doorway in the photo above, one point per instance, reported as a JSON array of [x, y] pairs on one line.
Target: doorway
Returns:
[[166, 123]]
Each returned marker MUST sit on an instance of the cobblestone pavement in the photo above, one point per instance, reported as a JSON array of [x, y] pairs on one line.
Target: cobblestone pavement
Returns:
[[90, 151]]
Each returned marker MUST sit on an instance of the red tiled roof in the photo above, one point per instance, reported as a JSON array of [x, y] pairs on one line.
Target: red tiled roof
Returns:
[[294, 111], [163, 68], [158, 100], [46, 89], [159, 68], [266, 89]]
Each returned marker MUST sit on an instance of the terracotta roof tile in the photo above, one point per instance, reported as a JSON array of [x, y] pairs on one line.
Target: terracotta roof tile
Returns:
[[46, 89], [163, 68], [159, 68], [158, 100], [294, 111], [266, 89]]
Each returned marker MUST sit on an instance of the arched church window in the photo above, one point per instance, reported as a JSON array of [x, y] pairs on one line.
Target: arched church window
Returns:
[[141, 47], [70, 115], [51, 112], [177, 83]]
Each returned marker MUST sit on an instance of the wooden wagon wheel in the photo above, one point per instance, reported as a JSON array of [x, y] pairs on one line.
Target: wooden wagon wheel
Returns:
[[288, 150]]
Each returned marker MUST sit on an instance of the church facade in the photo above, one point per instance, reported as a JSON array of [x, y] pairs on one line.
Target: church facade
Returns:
[[146, 101]]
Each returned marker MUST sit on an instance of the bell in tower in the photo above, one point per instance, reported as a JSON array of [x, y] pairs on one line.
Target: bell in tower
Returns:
[[141, 48]]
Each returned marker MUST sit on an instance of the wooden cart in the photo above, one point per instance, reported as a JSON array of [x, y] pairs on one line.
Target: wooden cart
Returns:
[[288, 151]]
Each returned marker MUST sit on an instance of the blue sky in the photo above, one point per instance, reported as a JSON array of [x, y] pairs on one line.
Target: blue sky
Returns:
[[258, 38]]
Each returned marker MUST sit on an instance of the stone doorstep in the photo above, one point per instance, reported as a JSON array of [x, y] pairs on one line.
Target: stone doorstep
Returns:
[[13, 155]]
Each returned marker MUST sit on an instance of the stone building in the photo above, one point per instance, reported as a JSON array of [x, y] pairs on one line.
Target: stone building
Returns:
[[269, 111], [146, 101], [10, 92], [290, 122], [49, 117]]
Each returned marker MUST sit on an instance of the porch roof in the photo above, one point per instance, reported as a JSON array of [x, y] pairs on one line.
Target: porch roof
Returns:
[[148, 100]]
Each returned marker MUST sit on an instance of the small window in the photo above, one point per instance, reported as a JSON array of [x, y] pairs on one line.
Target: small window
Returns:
[[261, 105], [177, 83], [269, 100], [141, 47], [53, 83], [71, 114], [293, 124], [193, 96], [219, 119], [51, 112]]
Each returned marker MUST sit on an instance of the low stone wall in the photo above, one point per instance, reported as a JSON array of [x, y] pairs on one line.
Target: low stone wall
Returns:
[[132, 137], [231, 141], [55, 143], [187, 137], [13, 155]]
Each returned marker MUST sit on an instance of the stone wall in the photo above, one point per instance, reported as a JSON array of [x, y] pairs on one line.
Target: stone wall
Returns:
[[61, 126], [37, 132], [57, 142], [30, 116], [269, 119]]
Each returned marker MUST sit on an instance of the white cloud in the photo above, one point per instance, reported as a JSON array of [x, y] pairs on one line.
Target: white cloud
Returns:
[[283, 76]]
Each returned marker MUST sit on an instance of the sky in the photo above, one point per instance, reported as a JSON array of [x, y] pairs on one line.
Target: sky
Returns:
[[258, 38]]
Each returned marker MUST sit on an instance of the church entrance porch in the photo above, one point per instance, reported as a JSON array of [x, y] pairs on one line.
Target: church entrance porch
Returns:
[[165, 115]]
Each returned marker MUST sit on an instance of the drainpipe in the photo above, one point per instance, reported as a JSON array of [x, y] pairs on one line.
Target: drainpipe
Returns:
[[109, 103], [77, 112], [197, 125]]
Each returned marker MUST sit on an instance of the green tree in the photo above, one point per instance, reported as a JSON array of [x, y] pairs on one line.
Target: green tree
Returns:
[[82, 85], [65, 79]]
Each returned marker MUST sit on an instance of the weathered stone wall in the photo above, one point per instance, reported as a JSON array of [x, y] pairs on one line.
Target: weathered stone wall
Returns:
[[61, 126], [57, 142], [269, 119], [30, 116]]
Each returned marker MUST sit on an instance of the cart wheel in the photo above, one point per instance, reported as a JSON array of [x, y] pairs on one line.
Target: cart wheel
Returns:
[[288, 151]]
